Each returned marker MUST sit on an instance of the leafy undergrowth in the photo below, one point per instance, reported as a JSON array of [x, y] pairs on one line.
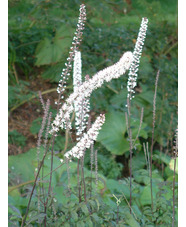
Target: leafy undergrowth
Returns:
[[100, 209]]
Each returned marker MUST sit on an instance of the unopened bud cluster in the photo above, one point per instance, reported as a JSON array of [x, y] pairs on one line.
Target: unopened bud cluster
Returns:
[[75, 44], [176, 144]]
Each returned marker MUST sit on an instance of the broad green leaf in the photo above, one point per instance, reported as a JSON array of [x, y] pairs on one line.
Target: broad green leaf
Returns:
[[117, 187], [145, 197], [145, 67], [130, 220], [142, 176], [85, 209], [18, 163], [113, 132], [44, 52], [38, 218], [80, 224], [89, 222], [51, 50], [95, 217], [120, 98], [74, 215], [161, 156], [14, 211], [138, 162], [28, 162]]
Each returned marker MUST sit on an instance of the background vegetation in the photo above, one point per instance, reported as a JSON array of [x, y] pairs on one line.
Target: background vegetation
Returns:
[[40, 35]]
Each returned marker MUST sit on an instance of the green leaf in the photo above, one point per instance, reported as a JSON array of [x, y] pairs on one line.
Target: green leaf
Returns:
[[66, 225], [80, 224], [18, 163], [96, 218], [145, 67], [138, 162], [130, 220], [112, 134], [161, 156], [14, 211], [120, 98], [28, 162], [145, 197], [51, 50], [85, 209], [116, 187], [142, 176], [36, 218], [89, 222], [74, 215]]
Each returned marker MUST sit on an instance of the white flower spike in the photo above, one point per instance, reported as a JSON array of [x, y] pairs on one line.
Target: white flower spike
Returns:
[[136, 58]]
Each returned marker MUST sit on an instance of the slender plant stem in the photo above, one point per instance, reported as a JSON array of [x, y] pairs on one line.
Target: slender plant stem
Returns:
[[45, 210], [43, 189], [35, 181], [83, 177], [173, 210], [129, 205], [147, 146], [175, 156], [79, 188], [91, 166], [139, 129], [130, 141], [51, 169], [15, 73], [66, 140], [117, 214], [152, 142], [96, 169], [50, 181]]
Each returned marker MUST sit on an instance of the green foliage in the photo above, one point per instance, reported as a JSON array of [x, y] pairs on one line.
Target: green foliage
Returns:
[[36, 125], [40, 35], [51, 50], [18, 94], [115, 140], [16, 138]]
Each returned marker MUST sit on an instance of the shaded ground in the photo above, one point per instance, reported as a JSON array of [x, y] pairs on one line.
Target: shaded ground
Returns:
[[22, 117]]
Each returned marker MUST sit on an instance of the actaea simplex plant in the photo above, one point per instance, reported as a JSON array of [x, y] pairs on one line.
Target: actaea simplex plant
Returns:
[[78, 103]]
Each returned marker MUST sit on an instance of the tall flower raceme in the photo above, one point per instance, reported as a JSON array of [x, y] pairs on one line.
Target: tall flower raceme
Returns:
[[62, 119], [75, 44], [87, 139], [82, 105], [136, 58]]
